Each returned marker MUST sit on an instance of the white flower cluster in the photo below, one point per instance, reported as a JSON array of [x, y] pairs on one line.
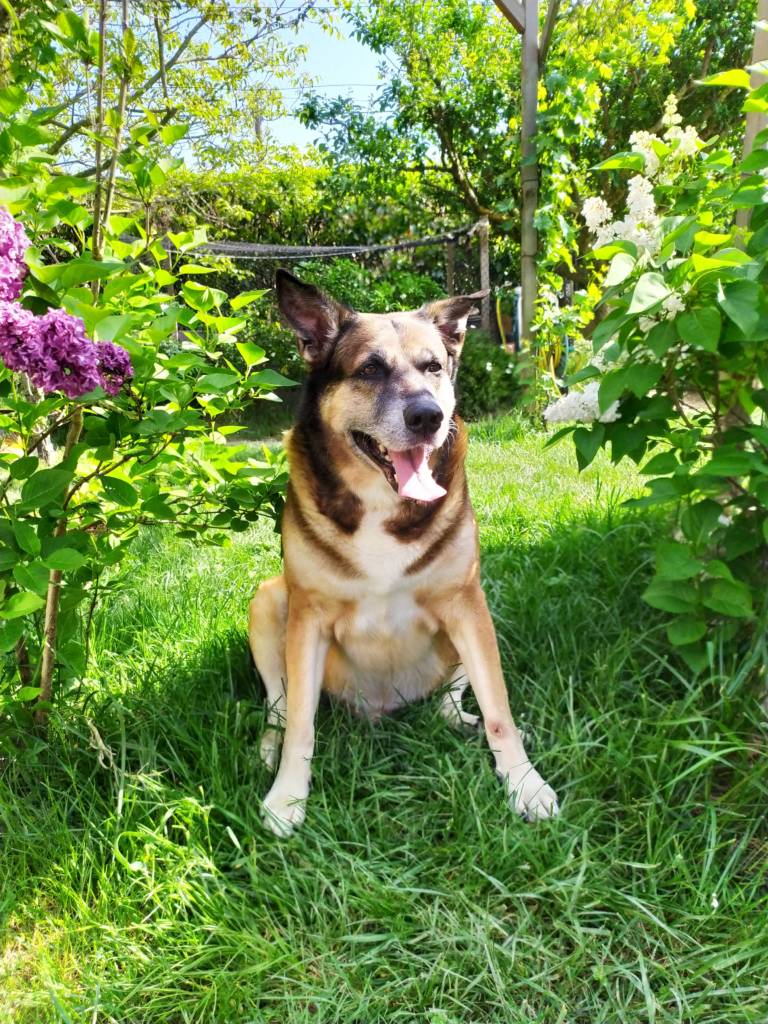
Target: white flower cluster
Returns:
[[641, 225], [677, 144], [663, 158], [596, 212], [581, 407], [642, 142]]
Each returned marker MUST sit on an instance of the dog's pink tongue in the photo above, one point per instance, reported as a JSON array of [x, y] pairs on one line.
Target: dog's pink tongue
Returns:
[[414, 477]]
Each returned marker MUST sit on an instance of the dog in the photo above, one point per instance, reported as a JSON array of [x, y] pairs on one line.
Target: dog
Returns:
[[380, 602]]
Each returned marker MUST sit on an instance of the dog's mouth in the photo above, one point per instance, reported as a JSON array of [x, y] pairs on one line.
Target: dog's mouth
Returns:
[[407, 472]]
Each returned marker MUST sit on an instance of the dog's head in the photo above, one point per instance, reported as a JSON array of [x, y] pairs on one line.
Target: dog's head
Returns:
[[387, 378]]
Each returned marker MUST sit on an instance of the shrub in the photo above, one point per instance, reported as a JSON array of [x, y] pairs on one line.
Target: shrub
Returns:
[[487, 381], [132, 380], [679, 379]]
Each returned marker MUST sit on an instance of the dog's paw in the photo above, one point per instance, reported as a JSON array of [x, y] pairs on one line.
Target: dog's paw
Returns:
[[461, 721], [530, 795], [282, 812], [269, 748]]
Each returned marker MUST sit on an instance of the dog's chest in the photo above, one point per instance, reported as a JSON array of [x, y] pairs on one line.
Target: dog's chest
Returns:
[[382, 558]]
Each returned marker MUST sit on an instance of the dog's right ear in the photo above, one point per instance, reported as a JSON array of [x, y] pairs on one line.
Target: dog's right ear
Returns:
[[315, 317]]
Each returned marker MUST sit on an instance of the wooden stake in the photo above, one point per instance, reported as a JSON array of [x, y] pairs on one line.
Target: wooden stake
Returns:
[[450, 268], [529, 171], [485, 272], [755, 121]]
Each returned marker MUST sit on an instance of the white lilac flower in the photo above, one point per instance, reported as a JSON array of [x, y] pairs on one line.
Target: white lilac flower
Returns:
[[642, 142], [640, 202], [581, 407], [670, 117], [687, 140], [672, 305], [596, 212], [646, 323]]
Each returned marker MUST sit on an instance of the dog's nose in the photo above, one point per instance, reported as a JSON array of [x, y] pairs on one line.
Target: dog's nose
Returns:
[[423, 416]]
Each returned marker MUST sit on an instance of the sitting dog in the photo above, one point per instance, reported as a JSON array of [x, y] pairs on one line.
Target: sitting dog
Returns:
[[380, 601]]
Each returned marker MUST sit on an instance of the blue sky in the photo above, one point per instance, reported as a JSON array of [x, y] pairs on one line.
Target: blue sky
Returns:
[[338, 66]]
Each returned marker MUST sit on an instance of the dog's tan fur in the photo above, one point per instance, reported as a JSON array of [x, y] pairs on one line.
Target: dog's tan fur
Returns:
[[380, 602]]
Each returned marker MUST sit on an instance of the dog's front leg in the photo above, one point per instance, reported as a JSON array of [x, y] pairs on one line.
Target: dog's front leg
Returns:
[[306, 651], [470, 627]]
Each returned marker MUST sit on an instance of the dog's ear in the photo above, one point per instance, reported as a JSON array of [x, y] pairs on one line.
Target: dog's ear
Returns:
[[315, 317], [450, 317]]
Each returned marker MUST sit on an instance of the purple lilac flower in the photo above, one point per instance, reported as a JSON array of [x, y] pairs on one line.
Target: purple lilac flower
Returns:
[[13, 245], [19, 342], [57, 355], [114, 366], [70, 358]]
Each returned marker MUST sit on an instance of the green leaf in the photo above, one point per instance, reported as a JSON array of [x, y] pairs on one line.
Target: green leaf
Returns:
[[110, 328], [621, 267], [661, 464], [84, 270], [8, 558], [671, 596], [27, 693], [728, 597], [252, 354], [675, 562], [730, 462], [741, 302], [11, 98], [195, 268], [246, 298], [649, 291], [32, 577], [588, 443], [661, 337], [119, 491], [24, 603], [10, 634], [23, 467], [269, 379], [756, 161], [44, 488], [27, 538], [622, 162], [700, 327], [641, 377], [65, 559], [737, 78], [686, 631], [219, 381]]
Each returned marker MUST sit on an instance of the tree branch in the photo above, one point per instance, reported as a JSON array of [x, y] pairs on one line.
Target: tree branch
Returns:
[[143, 88]]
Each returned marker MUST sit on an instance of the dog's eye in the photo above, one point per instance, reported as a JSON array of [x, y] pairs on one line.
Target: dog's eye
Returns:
[[371, 370], [433, 367]]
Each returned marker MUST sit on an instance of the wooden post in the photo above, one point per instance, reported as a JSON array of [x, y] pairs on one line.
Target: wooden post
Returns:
[[450, 268], [485, 272], [529, 172], [755, 121]]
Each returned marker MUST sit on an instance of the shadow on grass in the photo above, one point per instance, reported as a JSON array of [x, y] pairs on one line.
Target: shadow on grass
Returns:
[[136, 869]]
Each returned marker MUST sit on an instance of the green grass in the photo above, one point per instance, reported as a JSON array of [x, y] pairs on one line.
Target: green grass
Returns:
[[137, 885]]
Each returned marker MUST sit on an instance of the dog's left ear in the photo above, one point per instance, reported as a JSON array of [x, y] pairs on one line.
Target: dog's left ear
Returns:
[[450, 317], [315, 317]]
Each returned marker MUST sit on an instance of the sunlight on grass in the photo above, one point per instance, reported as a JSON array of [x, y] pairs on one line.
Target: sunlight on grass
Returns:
[[138, 885]]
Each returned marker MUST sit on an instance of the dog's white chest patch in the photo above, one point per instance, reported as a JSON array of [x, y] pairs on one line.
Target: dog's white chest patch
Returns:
[[382, 557]]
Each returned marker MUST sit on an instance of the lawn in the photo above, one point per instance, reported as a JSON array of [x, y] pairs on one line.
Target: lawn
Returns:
[[137, 885]]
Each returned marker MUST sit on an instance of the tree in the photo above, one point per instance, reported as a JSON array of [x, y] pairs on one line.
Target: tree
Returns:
[[205, 64], [448, 113]]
